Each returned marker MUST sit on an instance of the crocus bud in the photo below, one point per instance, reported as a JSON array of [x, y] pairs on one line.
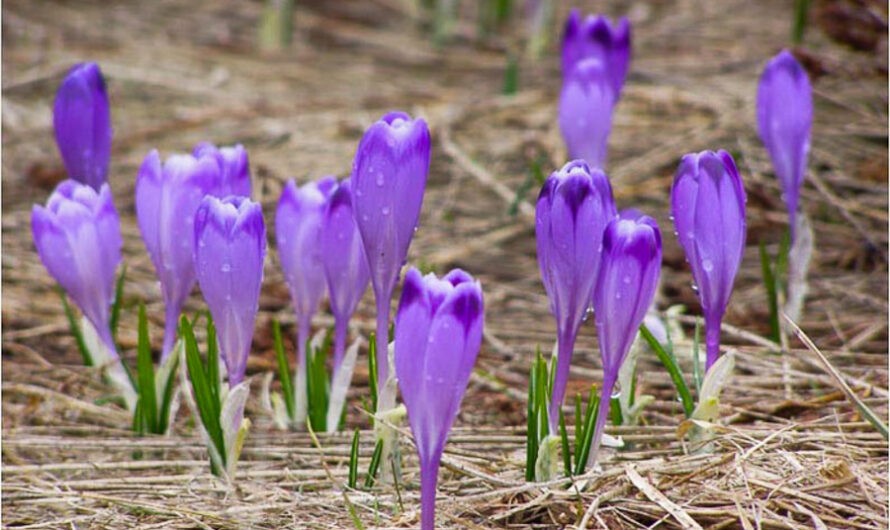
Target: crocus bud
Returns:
[[585, 111], [167, 197], [388, 180], [230, 245], [573, 209], [78, 238], [82, 120], [298, 225], [784, 118], [708, 207], [437, 338], [234, 168], [624, 291], [594, 37], [344, 262]]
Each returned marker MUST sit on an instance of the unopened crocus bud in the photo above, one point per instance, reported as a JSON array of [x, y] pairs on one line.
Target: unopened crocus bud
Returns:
[[78, 238], [167, 197], [595, 37], [82, 120], [344, 262], [573, 209], [784, 119], [388, 180], [230, 246], [437, 338], [585, 111], [624, 291], [708, 207], [234, 166]]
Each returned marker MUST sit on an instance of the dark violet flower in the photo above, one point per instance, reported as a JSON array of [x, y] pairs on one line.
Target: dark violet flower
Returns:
[[78, 238], [344, 262], [234, 168], [784, 118], [708, 207], [594, 37], [82, 120], [624, 291], [388, 179], [585, 111], [298, 226], [437, 338], [230, 246], [167, 197], [573, 209]]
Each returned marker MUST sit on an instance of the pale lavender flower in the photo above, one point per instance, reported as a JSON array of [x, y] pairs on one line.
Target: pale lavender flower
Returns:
[[230, 246], [82, 121], [573, 209], [234, 168], [708, 207], [437, 338], [585, 111]]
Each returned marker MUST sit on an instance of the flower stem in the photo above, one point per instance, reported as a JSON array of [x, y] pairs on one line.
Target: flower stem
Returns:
[[712, 340], [429, 477], [171, 324], [341, 328]]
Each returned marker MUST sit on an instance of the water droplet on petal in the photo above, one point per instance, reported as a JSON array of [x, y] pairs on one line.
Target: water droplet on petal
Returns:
[[707, 265], [225, 268], [385, 210], [380, 180]]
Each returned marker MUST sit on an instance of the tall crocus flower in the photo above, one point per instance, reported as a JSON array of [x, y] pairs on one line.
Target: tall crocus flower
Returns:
[[784, 119], [437, 338], [78, 238], [585, 111], [624, 291], [234, 168], [708, 207], [230, 246], [167, 197], [388, 178], [595, 37], [344, 262], [573, 209], [82, 120]]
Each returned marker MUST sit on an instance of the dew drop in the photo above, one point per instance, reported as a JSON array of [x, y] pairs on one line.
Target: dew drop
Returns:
[[385, 210], [225, 268], [626, 280], [380, 180], [707, 265], [364, 217]]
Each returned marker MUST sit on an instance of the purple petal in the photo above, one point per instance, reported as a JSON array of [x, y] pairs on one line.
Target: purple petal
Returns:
[[585, 111], [234, 168], [595, 37]]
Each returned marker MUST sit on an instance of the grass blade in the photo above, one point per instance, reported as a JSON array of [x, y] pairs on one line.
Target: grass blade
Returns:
[[589, 424], [371, 477], [697, 376], [671, 365], [287, 384], [75, 330], [118, 301], [564, 442], [318, 384], [772, 300], [372, 368], [353, 460], [167, 398], [208, 409], [531, 433], [145, 373]]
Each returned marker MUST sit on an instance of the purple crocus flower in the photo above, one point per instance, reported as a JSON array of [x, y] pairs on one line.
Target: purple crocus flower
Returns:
[[784, 118], [388, 179], [298, 226], [708, 207], [585, 111], [344, 262], [78, 238], [624, 291], [82, 120], [437, 338], [167, 197], [573, 209], [234, 168], [594, 37], [230, 245]]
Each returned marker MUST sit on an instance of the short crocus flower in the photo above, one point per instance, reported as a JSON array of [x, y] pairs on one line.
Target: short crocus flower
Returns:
[[585, 111], [78, 238], [573, 209], [167, 197], [234, 168], [594, 37], [624, 291], [230, 246], [344, 262], [708, 208], [82, 120], [784, 119], [388, 179], [437, 338]]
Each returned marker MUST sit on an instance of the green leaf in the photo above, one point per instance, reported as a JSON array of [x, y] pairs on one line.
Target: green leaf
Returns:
[[118, 301], [284, 373], [372, 368], [772, 300], [615, 412], [208, 404], [531, 433], [75, 330], [374, 465], [564, 442], [167, 398], [589, 426], [212, 369], [353, 460], [145, 373], [801, 8], [696, 362], [511, 76], [670, 363], [318, 383], [579, 425]]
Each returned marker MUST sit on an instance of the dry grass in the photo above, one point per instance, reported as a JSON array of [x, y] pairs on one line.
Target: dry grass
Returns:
[[179, 72]]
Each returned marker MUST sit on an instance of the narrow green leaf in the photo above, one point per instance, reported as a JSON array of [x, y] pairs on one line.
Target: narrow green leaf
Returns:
[[74, 326], [212, 369], [208, 409], [511, 76], [118, 301], [579, 425], [318, 383], [615, 412], [145, 373], [531, 433], [670, 363], [799, 26], [781, 268], [284, 373], [697, 376], [564, 442], [167, 398], [353, 460], [372, 368], [371, 478], [589, 425], [769, 282]]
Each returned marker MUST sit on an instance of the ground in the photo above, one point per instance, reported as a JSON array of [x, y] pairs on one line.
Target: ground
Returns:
[[792, 451]]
